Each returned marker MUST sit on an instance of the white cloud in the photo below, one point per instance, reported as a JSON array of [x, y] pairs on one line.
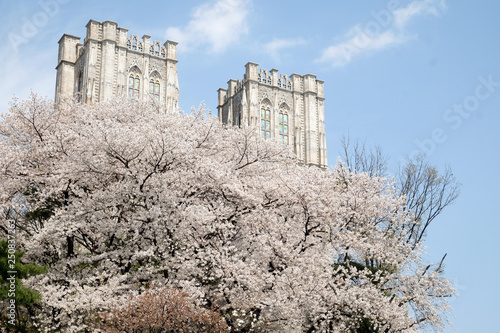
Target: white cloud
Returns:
[[359, 43], [216, 25], [428, 7], [275, 47], [378, 34]]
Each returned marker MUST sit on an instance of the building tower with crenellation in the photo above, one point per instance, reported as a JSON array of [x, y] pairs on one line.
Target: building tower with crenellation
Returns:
[[110, 64], [288, 108]]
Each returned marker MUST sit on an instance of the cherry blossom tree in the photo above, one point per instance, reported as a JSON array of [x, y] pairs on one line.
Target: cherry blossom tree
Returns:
[[162, 310], [116, 196]]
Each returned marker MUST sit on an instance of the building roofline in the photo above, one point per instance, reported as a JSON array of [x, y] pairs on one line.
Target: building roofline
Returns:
[[91, 21], [68, 35]]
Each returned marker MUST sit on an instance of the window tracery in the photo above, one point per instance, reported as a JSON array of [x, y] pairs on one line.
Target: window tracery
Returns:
[[264, 76], [133, 43], [154, 90], [283, 125], [265, 120], [157, 50], [134, 83]]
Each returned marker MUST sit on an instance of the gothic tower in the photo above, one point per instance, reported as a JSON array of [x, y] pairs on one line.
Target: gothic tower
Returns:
[[110, 64], [290, 109]]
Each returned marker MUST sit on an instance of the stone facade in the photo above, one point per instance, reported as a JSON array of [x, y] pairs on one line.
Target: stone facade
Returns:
[[290, 109], [110, 64]]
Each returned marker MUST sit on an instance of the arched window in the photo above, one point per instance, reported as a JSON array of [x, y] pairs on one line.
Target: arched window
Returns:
[[133, 85], [154, 90], [283, 124], [265, 120], [134, 43]]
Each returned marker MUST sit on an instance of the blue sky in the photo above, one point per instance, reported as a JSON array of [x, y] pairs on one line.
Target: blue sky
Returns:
[[410, 76]]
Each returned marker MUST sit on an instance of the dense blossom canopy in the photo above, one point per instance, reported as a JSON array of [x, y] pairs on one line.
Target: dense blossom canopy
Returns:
[[118, 196]]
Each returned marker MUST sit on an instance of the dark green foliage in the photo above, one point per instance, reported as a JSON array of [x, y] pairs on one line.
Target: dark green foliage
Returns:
[[12, 269], [366, 326]]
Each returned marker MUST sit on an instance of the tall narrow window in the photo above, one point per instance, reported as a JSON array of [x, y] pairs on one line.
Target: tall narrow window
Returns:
[[265, 120], [154, 90], [283, 123], [79, 87], [133, 85]]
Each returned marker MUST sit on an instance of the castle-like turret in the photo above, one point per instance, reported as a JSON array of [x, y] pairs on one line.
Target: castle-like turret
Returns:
[[110, 63], [288, 108]]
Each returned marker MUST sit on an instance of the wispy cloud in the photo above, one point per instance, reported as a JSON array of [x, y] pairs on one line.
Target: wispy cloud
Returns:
[[215, 25], [427, 7], [388, 28], [275, 47], [358, 43]]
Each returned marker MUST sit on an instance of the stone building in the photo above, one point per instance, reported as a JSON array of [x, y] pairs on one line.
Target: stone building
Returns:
[[290, 109], [109, 64]]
